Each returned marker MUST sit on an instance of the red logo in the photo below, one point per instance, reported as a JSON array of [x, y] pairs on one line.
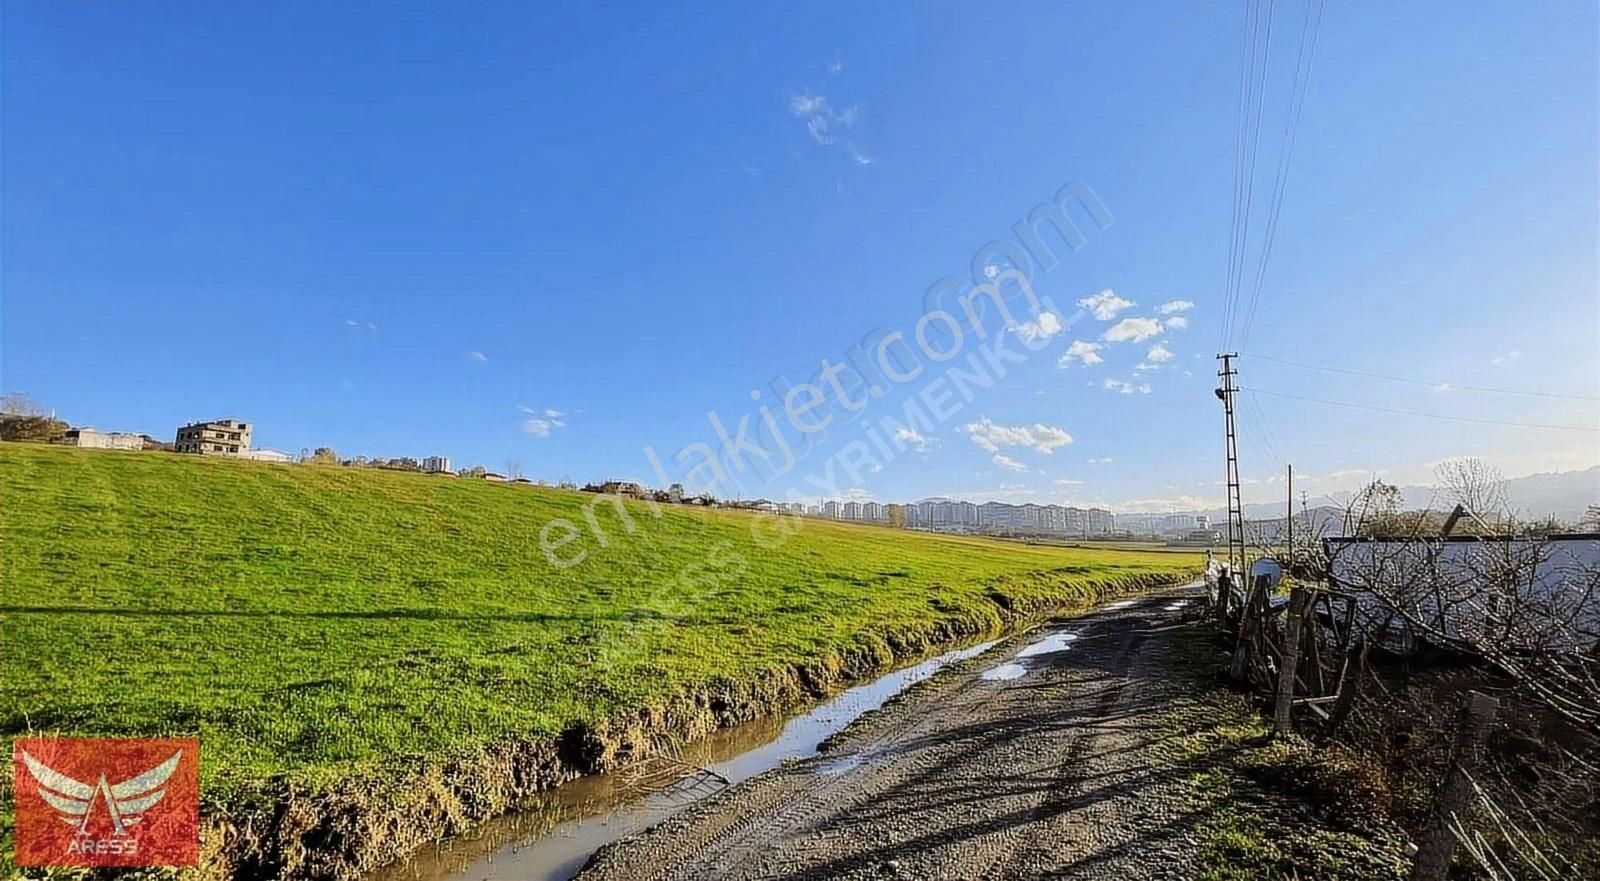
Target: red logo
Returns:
[[107, 802]]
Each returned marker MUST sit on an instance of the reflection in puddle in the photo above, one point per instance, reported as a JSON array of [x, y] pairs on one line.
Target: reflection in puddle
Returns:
[[1055, 642], [553, 838], [1004, 672], [1122, 604]]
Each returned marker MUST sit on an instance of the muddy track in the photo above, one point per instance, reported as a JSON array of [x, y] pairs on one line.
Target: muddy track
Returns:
[[1037, 759]]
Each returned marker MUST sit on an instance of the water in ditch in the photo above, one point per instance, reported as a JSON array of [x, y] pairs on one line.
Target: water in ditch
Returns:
[[552, 839]]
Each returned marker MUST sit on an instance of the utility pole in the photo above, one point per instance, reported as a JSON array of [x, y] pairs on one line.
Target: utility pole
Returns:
[[1288, 513], [1224, 393]]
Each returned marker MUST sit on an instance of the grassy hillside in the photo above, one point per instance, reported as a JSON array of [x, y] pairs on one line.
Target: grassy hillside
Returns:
[[309, 620]]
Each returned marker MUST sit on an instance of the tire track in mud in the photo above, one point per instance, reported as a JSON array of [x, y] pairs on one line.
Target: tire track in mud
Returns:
[[963, 776]]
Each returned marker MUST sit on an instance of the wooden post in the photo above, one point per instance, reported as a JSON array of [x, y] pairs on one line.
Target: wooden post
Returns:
[[1355, 668], [1438, 842], [1245, 640], [1282, 722]]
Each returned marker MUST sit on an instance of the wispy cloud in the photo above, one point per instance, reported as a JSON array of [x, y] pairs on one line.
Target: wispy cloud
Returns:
[[836, 66], [1088, 353], [1172, 306], [1125, 388], [916, 440], [1507, 358], [1105, 305], [369, 326], [477, 356], [1047, 325], [541, 423], [1104, 460], [822, 121], [1009, 463], [1176, 322], [1067, 481], [859, 157], [1038, 437], [1132, 330]]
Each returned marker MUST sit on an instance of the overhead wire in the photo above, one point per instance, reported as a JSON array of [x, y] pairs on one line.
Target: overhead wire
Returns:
[[1241, 142], [1305, 61], [1422, 413], [1250, 164], [1439, 384]]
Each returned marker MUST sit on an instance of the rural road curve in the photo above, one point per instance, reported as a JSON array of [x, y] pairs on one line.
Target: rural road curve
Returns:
[[1038, 758]]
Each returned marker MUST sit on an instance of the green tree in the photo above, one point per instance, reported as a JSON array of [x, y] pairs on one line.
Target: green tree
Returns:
[[324, 456]]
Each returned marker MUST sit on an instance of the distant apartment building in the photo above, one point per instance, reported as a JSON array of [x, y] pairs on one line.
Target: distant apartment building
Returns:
[[220, 437], [435, 464], [1101, 521], [852, 510], [873, 511], [90, 439], [831, 510]]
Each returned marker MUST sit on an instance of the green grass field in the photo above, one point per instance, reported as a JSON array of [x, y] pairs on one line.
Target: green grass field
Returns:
[[309, 620]]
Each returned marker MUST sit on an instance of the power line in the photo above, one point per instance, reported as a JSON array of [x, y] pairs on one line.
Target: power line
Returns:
[[1305, 60], [1423, 382], [1266, 433], [1405, 412], [1250, 171], [1246, 137]]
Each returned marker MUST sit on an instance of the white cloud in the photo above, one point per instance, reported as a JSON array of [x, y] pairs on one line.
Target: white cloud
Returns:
[[859, 157], [537, 427], [1507, 358], [1132, 330], [541, 423], [1038, 437], [1177, 322], [910, 437], [1009, 463], [1178, 503], [478, 356], [1125, 388], [1105, 305], [836, 66], [820, 118], [1067, 481], [1088, 353], [1105, 460], [1158, 354], [1172, 306], [1047, 325]]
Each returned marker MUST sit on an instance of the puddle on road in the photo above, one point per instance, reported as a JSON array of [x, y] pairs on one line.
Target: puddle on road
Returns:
[[1004, 672], [1122, 604], [1055, 642], [1177, 605], [553, 838]]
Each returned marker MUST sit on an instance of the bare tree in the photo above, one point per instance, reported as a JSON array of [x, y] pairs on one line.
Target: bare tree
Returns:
[[19, 404], [1475, 485]]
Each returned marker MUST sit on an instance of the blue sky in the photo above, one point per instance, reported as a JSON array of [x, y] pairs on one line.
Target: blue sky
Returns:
[[556, 236]]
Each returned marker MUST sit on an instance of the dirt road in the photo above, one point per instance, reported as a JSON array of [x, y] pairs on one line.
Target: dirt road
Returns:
[[1050, 755]]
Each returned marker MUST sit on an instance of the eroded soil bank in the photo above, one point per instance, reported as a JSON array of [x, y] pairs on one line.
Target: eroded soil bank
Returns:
[[285, 829]]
